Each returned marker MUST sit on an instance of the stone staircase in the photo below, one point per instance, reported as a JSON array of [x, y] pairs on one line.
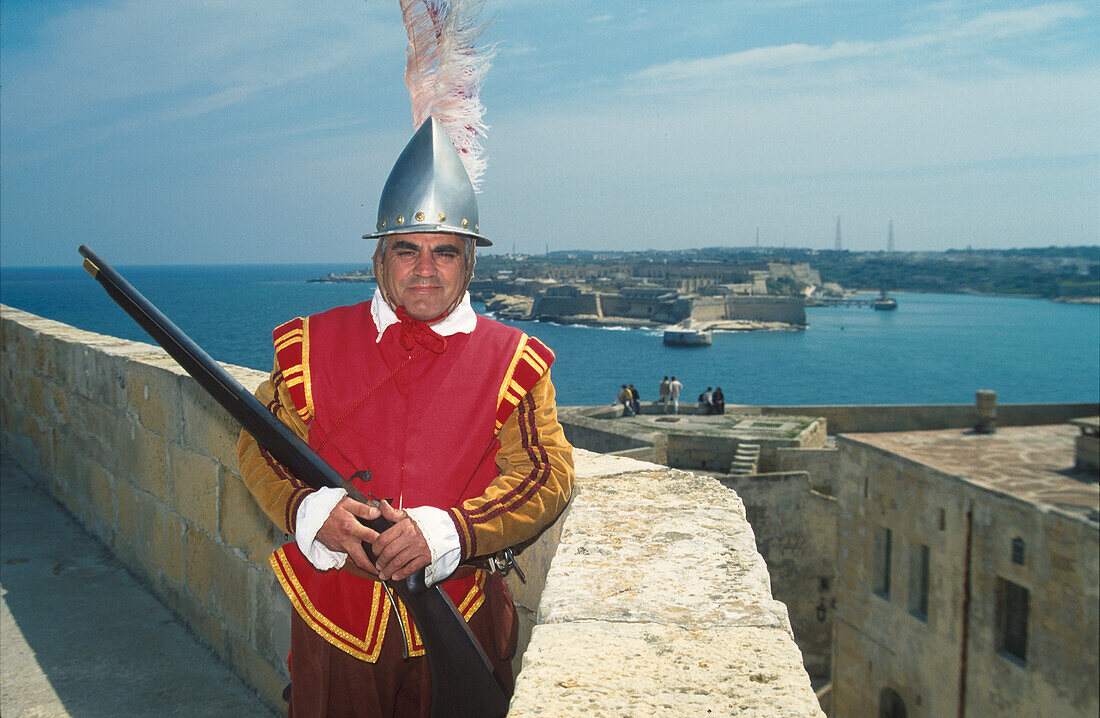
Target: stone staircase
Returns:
[[747, 459]]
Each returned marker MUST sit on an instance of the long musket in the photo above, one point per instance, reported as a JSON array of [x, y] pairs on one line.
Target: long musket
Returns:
[[463, 682]]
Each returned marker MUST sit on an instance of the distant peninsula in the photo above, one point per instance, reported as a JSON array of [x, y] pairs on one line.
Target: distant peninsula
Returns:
[[754, 289]]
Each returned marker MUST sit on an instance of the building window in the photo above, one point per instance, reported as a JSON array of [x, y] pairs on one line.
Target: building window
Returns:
[[884, 539], [919, 559], [1012, 606], [1018, 550]]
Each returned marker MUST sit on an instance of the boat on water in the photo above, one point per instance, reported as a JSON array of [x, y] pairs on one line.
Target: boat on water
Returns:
[[884, 303], [680, 336]]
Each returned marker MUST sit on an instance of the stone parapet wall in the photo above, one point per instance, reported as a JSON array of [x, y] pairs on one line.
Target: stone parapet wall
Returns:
[[795, 529], [558, 306], [790, 310], [137, 452], [870, 419], [643, 612]]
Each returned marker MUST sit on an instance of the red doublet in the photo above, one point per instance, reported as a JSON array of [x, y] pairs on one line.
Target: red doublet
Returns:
[[423, 423]]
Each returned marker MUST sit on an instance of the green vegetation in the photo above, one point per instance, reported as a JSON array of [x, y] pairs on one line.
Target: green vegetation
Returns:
[[1052, 272]]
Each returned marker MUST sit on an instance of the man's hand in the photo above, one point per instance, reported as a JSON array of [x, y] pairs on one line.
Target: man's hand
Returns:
[[401, 549], [343, 532]]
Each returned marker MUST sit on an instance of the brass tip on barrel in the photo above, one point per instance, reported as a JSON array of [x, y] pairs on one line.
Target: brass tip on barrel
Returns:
[[90, 268]]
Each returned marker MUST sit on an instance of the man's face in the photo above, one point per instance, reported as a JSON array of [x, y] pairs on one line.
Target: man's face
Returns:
[[425, 272]]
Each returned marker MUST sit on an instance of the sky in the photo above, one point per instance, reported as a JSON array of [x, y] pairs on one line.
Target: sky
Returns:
[[242, 131]]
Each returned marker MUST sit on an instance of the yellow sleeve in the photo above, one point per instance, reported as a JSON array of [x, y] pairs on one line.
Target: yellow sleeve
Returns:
[[275, 489], [535, 481]]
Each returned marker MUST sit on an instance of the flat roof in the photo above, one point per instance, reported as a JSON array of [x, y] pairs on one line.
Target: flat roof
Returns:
[[1032, 463]]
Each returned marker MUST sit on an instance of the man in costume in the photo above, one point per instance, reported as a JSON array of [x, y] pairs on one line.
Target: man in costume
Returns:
[[447, 416], [454, 416]]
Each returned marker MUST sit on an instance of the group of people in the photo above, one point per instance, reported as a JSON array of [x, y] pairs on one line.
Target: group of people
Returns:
[[713, 401], [669, 393], [632, 403]]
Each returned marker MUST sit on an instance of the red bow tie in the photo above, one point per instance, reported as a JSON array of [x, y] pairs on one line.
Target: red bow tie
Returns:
[[416, 331]]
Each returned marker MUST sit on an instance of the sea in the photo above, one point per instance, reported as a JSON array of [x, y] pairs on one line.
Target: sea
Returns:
[[934, 349]]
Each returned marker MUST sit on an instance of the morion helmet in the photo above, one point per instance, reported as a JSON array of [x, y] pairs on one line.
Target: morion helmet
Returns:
[[428, 190]]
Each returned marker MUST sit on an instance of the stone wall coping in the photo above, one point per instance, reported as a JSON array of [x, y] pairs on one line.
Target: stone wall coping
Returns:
[[657, 603]]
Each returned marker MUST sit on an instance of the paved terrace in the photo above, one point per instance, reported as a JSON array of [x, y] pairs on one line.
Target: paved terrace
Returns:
[[1031, 463], [79, 636]]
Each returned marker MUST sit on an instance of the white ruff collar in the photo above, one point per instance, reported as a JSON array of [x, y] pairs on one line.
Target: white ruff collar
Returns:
[[461, 320]]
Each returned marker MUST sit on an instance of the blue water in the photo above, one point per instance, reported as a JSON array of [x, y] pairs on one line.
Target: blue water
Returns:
[[933, 349]]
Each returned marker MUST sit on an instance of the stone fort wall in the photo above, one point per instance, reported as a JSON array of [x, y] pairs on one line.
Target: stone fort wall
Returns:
[[626, 611], [929, 659]]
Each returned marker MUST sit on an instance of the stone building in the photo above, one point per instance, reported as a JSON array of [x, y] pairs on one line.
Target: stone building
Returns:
[[967, 567]]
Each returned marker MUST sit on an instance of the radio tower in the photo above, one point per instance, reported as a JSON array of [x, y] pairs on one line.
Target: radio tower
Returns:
[[890, 238], [838, 246]]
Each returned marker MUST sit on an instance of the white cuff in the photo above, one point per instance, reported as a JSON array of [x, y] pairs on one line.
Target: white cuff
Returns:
[[311, 515], [442, 538]]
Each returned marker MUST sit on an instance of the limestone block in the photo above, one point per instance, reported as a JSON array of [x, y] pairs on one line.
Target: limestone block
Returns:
[[93, 431], [270, 630], [218, 578], [250, 379], [266, 679], [137, 521], [196, 615], [661, 670], [243, 525], [195, 487], [203, 565], [101, 491], [69, 475], [36, 396], [207, 427], [590, 464], [153, 396], [141, 457], [59, 401], [168, 547], [36, 440], [127, 501], [623, 553]]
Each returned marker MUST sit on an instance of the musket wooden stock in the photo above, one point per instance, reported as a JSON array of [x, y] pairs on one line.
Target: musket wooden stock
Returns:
[[463, 682]]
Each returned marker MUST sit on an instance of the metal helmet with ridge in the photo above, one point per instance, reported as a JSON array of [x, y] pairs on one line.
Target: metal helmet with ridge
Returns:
[[429, 190]]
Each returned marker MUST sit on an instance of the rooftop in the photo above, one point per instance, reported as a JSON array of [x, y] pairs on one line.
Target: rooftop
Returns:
[[1031, 463]]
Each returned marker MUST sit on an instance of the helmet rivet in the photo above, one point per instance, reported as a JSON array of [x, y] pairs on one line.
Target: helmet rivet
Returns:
[[400, 219], [465, 222], [442, 216], [382, 225], [419, 216], [476, 229]]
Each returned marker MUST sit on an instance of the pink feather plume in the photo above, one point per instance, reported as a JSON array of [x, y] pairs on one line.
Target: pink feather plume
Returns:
[[444, 73]]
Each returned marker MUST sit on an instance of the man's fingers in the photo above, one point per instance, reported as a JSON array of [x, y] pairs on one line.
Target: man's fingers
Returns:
[[401, 550], [361, 510], [342, 531], [358, 555], [390, 513], [406, 563]]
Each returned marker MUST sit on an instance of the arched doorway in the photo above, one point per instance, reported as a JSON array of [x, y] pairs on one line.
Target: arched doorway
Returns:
[[890, 704]]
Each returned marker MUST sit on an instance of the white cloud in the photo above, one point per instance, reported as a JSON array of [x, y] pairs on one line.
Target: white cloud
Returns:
[[186, 57], [949, 38]]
